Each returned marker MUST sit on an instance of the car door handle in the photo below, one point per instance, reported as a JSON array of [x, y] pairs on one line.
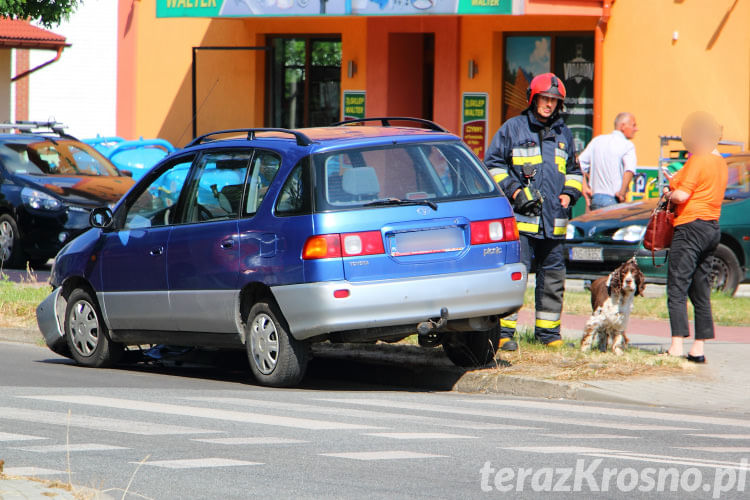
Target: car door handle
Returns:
[[156, 251], [227, 244]]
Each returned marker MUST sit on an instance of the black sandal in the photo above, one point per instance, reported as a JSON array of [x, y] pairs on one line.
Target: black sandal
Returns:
[[696, 359]]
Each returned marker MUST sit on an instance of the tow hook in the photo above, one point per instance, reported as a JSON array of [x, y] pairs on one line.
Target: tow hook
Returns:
[[430, 331]]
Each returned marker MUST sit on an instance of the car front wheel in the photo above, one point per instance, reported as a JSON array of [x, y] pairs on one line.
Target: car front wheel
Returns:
[[472, 349], [276, 358], [725, 270], [86, 334]]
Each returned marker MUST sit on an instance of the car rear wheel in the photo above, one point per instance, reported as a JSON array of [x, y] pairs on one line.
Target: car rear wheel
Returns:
[[276, 358], [10, 245], [472, 349], [86, 334], [725, 270]]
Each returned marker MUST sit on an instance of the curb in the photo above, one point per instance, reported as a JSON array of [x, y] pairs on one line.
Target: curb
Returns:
[[22, 335]]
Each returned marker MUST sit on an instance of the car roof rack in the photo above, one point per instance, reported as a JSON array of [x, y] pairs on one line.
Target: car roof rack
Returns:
[[385, 121], [37, 127], [302, 139]]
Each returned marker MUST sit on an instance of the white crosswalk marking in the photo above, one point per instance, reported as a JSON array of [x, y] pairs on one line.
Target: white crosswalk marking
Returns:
[[208, 413], [57, 448], [381, 455], [356, 413], [97, 423], [30, 471], [418, 435], [723, 436], [198, 463], [9, 436], [505, 415], [590, 436], [251, 440], [617, 412], [717, 449]]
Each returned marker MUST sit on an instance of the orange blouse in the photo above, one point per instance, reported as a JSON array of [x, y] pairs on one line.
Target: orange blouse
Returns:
[[704, 178]]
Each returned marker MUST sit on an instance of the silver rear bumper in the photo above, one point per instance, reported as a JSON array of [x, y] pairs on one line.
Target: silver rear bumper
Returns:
[[311, 309]]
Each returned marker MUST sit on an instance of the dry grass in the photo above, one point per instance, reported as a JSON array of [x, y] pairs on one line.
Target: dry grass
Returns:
[[568, 363]]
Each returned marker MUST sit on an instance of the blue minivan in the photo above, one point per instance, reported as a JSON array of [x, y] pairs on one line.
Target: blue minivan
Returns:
[[271, 239]]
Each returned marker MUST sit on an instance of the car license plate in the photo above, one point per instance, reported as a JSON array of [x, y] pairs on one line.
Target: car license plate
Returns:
[[441, 240], [586, 253]]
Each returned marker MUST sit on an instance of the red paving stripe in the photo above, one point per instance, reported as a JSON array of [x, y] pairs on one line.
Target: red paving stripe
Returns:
[[639, 326]]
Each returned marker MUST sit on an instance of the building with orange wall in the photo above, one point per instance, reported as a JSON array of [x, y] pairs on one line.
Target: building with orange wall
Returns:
[[187, 67]]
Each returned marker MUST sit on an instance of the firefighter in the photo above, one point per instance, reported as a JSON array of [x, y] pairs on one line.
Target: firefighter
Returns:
[[532, 157]]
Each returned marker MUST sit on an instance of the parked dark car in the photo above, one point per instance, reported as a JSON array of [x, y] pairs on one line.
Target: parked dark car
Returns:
[[599, 241], [49, 183], [268, 241]]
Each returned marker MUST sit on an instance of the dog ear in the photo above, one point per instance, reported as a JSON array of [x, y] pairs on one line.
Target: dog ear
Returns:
[[640, 281], [615, 282]]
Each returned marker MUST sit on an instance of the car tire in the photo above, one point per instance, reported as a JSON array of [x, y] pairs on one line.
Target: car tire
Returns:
[[11, 254], [725, 270], [276, 358], [87, 335], [472, 349]]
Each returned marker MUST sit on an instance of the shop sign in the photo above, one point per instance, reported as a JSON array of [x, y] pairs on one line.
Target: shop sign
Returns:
[[354, 104], [251, 8], [474, 122]]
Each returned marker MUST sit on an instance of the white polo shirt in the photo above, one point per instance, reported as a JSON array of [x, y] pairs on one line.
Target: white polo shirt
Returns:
[[606, 159]]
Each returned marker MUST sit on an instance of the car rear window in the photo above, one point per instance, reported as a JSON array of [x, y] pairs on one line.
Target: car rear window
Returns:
[[435, 171]]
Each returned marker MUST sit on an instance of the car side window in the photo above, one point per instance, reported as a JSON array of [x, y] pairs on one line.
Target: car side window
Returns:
[[294, 198], [156, 204], [264, 169], [216, 191]]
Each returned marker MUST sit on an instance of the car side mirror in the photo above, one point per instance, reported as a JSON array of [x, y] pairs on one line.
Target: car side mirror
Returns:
[[127, 173], [101, 217]]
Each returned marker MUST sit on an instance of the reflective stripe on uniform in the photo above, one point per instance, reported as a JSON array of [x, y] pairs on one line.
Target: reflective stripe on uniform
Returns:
[[545, 323], [574, 181], [548, 316], [561, 226], [508, 323], [528, 194], [499, 174], [561, 160], [500, 177], [527, 224], [531, 155]]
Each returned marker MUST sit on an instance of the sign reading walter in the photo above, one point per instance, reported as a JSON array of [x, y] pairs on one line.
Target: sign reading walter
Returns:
[[474, 122], [259, 8], [354, 104]]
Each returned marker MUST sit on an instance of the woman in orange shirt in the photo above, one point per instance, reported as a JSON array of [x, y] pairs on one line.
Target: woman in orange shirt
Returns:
[[697, 190]]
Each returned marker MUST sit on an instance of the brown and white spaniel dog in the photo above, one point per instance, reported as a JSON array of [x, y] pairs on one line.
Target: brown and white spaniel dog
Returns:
[[611, 300]]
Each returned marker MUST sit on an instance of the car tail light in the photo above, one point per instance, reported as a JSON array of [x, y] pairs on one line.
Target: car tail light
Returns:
[[493, 231], [516, 276], [341, 294], [323, 246], [369, 243]]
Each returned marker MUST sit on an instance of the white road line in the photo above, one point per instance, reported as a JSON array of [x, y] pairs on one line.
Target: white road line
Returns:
[[251, 440], [504, 415], [560, 449], [57, 448], [419, 435], [30, 471], [381, 455], [615, 412], [198, 463], [591, 436], [356, 413], [717, 449], [723, 436], [208, 413], [9, 436], [97, 423]]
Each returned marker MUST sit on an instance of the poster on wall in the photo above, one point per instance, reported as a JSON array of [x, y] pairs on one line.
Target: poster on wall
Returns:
[[474, 122], [355, 103], [525, 58], [574, 63]]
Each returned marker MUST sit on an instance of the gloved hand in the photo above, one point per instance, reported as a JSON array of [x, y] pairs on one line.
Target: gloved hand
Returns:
[[528, 202]]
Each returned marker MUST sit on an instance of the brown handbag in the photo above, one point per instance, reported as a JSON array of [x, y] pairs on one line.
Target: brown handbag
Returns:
[[660, 229]]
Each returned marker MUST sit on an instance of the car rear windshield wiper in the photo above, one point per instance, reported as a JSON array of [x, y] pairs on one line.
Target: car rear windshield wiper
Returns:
[[398, 201]]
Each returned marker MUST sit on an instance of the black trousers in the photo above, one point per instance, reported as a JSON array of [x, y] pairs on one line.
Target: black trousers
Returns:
[[689, 275]]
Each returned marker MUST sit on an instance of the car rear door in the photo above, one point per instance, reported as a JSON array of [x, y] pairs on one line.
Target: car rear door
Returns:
[[135, 292], [204, 249]]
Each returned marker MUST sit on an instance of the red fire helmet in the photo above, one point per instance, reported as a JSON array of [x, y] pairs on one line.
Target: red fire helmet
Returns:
[[546, 84]]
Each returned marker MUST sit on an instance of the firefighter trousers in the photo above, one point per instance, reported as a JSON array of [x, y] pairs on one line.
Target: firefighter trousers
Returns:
[[545, 257]]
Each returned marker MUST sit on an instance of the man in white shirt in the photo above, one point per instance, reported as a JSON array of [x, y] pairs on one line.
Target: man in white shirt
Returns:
[[609, 163]]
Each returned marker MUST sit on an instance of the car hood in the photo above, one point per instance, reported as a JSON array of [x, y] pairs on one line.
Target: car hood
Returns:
[[82, 190]]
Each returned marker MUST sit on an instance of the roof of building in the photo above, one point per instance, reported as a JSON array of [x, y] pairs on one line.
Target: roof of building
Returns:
[[19, 34]]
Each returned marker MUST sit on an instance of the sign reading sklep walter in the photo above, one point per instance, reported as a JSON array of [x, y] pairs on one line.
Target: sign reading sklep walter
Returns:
[[354, 104], [259, 8], [474, 122]]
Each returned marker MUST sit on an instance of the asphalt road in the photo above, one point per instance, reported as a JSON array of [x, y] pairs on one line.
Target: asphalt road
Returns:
[[209, 433]]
